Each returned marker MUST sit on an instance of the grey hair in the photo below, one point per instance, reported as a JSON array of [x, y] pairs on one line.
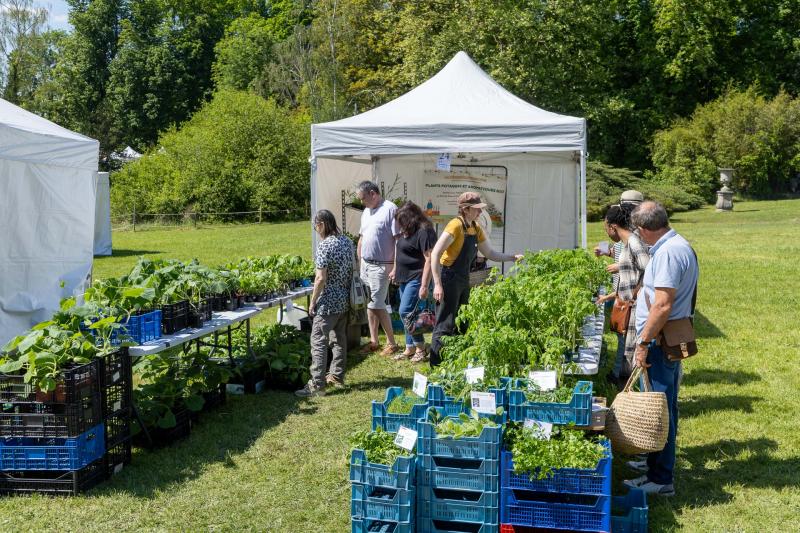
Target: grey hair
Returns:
[[651, 216], [367, 186]]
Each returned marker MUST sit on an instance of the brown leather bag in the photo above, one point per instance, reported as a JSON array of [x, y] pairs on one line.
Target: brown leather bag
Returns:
[[677, 339], [620, 316]]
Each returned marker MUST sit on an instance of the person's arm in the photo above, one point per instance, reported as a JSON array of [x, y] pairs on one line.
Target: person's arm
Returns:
[[426, 275], [656, 318], [319, 284], [358, 247], [486, 249], [436, 263]]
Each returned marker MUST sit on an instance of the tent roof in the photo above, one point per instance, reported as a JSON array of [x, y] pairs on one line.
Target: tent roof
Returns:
[[25, 136], [461, 108]]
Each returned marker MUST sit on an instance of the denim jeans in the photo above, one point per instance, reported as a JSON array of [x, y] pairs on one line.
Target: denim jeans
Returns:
[[409, 296], [620, 355], [664, 377]]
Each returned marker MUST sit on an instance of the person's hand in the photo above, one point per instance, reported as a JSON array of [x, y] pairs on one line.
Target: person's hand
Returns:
[[597, 252], [391, 275], [312, 309], [438, 292], [640, 356], [518, 257], [606, 297], [613, 268], [423, 292]]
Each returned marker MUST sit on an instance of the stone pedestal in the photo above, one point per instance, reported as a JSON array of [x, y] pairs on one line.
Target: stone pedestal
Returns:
[[724, 200]]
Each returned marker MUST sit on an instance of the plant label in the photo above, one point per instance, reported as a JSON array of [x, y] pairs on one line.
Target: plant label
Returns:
[[545, 380], [474, 374], [406, 438], [484, 402], [420, 384], [289, 306], [115, 377], [541, 430], [443, 162], [603, 245]]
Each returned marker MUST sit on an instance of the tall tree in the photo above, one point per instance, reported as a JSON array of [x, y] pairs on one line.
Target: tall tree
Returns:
[[21, 47]]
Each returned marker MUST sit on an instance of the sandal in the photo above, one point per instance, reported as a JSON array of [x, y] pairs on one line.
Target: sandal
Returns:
[[389, 349], [408, 352], [420, 356], [369, 348]]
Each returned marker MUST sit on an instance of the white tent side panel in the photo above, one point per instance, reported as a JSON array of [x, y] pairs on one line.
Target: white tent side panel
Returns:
[[102, 215], [334, 175]]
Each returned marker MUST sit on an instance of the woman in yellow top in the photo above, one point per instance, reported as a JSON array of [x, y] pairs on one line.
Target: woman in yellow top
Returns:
[[451, 258]]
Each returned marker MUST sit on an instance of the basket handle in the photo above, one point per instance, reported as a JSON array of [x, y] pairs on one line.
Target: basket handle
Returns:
[[637, 372]]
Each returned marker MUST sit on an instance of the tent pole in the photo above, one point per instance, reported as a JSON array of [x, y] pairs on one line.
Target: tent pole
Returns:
[[313, 162], [583, 198]]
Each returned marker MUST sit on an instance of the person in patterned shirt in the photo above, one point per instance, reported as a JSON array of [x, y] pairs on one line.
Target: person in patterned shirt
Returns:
[[329, 305]]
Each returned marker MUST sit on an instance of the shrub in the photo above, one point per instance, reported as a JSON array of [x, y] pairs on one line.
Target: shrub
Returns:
[[240, 152]]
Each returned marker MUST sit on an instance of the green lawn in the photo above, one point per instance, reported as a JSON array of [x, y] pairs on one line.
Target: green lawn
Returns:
[[272, 463]]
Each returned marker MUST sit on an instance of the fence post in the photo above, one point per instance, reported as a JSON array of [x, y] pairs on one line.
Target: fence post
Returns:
[[134, 217], [259, 214], [194, 218]]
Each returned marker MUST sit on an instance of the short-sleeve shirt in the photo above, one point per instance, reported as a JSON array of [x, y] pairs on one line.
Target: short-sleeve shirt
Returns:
[[335, 253], [672, 265], [378, 229], [410, 254], [456, 228]]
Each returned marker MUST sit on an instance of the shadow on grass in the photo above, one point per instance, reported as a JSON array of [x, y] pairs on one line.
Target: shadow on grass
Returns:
[[737, 377], [715, 404], [218, 437], [129, 253], [705, 328]]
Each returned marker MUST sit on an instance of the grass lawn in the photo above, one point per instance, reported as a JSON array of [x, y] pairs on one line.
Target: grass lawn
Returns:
[[272, 463]]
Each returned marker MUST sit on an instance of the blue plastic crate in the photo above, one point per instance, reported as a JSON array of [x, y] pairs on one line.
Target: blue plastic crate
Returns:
[[367, 525], [578, 411], [382, 503], [555, 511], [485, 446], [452, 407], [596, 481], [70, 453], [381, 418], [458, 505], [634, 508], [400, 475], [460, 474], [145, 327], [428, 525]]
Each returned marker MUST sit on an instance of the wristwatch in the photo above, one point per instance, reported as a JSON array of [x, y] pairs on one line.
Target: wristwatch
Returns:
[[641, 342]]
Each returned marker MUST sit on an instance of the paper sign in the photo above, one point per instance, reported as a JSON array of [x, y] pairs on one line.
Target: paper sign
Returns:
[[544, 379], [474, 375], [406, 438], [603, 245], [542, 430], [443, 162], [484, 402], [420, 384]]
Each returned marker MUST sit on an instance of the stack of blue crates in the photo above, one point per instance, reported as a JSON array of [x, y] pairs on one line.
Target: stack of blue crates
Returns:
[[570, 499], [458, 480], [383, 498]]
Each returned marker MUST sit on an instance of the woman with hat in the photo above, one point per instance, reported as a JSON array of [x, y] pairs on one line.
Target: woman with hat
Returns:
[[451, 258]]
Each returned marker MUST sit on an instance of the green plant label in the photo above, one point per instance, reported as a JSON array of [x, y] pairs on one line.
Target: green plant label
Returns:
[[420, 384], [406, 438], [545, 379], [484, 402]]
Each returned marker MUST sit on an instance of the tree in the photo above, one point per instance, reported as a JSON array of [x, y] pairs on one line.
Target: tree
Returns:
[[22, 46]]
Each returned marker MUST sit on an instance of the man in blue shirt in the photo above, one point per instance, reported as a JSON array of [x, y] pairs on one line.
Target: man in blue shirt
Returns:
[[668, 288]]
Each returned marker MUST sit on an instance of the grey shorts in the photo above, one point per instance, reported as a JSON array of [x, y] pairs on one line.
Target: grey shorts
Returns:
[[376, 277]]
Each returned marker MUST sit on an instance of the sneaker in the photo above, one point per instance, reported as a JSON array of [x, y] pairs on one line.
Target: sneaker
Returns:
[[649, 487], [310, 391], [389, 349], [638, 465], [333, 381]]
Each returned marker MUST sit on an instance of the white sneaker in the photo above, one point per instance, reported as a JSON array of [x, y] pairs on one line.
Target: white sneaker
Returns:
[[639, 466], [648, 487]]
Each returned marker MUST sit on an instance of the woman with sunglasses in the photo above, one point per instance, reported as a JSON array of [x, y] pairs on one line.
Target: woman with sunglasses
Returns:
[[451, 259], [329, 303]]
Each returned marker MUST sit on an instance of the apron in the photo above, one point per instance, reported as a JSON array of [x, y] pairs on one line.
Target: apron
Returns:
[[466, 256]]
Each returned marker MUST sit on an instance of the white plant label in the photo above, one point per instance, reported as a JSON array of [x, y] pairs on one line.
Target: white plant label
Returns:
[[443, 162], [115, 377], [406, 438], [474, 374], [603, 245], [289, 306], [544, 379], [542, 430], [484, 402], [420, 384]]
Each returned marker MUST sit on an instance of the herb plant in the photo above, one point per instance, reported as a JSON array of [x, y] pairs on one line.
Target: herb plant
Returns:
[[403, 404], [378, 446]]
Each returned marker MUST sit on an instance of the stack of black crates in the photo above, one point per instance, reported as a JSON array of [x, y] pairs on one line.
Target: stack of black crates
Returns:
[[71, 439]]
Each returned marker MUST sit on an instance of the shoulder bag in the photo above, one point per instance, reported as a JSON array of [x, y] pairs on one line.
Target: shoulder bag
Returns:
[[420, 321], [359, 297]]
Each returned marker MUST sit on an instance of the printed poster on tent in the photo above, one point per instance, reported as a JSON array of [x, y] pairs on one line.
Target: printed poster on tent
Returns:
[[440, 192]]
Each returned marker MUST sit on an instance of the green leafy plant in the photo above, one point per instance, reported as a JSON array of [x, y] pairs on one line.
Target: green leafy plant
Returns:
[[465, 425], [402, 404], [378, 446]]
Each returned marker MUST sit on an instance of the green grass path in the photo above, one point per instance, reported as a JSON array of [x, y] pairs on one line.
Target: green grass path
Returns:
[[272, 463]]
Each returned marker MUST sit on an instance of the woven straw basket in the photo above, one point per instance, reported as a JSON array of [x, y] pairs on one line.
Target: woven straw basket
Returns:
[[638, 422]]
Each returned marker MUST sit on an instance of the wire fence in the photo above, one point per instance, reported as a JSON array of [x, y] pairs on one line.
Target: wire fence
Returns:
[[136, 221]]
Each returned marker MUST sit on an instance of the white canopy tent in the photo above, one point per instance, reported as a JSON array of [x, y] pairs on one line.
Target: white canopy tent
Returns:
[[47, 214], [461, 113], [102, 215]]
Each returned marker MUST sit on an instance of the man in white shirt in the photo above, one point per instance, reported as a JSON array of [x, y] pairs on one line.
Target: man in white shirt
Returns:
[[376, 246]]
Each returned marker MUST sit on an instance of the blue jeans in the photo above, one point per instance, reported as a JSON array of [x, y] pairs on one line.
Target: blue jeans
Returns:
[[664, 377], [409, 296], [620, 355]]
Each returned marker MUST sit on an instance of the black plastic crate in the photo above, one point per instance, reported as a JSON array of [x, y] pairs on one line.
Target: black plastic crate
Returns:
[[117, 457], [116, 367], [215, 398], [36, 419], [160, 437], [55, 482], [118, 428], [219, 302], [117, 398], [77, 382], [174, 317]]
